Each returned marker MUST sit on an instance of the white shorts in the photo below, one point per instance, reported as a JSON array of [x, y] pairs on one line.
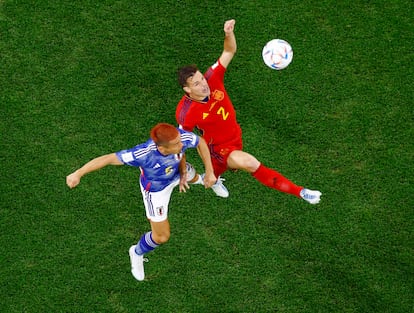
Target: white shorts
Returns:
[[156, 203]]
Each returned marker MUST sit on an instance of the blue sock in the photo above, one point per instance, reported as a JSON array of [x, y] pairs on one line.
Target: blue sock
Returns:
[[145, 244]]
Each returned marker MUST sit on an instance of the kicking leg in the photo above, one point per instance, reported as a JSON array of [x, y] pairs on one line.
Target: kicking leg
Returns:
[[269, 177]]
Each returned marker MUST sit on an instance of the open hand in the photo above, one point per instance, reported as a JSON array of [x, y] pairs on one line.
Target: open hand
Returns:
[[183, 184]]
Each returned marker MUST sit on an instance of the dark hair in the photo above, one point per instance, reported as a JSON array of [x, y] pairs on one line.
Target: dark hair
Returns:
[[162, 133], [185, 73]]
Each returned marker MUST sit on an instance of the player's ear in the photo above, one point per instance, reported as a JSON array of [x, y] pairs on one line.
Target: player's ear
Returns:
[[161, 149], [187, 89]]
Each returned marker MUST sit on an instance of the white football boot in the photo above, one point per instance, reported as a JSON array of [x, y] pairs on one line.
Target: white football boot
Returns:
[[312, 196], [137, 264], [219, 189]]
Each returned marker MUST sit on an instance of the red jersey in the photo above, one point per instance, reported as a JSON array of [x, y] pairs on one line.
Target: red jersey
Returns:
[[216, 118]]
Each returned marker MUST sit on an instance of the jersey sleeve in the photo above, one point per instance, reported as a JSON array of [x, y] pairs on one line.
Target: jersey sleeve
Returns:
[[136, 156], [216, 70], [189, 139], [127, 157]]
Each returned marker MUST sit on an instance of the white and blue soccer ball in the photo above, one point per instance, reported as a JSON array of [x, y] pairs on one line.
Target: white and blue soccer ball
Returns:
[[277, 54]]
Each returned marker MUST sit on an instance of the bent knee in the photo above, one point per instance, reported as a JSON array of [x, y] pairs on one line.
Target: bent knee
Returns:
[[161, 238], [252, 165], [244, 161]]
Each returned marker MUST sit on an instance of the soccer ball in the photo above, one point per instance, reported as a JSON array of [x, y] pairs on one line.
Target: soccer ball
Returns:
[[277, 54]]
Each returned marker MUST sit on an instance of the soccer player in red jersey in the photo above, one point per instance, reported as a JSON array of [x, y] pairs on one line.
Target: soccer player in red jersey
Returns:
[[207, 107]]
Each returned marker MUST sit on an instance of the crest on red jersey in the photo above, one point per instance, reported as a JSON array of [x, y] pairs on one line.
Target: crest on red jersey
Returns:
[[218, 95]]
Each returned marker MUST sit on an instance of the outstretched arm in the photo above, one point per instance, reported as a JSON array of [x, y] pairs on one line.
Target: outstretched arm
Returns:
[[202, 149], [73, 179], [230, 46]]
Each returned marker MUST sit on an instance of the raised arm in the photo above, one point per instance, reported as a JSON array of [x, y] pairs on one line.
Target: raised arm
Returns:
[[230, 46], [73, 179], [202, 149]]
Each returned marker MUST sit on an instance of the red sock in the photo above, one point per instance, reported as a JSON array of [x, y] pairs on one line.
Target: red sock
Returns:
[[275, 180]]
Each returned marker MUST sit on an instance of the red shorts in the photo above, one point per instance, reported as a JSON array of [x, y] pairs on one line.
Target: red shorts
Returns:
[[220, 154]]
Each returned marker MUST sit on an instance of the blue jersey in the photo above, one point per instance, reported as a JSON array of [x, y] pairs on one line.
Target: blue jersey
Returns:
[[157, 170]]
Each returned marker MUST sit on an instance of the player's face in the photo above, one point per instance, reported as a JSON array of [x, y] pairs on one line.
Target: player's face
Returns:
[[197, 87], [172, 147]]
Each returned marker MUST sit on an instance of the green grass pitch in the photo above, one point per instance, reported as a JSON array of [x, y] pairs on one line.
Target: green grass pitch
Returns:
[[83, 78]]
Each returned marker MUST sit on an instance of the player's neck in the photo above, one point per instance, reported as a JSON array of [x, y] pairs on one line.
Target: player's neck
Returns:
[[204, 100]]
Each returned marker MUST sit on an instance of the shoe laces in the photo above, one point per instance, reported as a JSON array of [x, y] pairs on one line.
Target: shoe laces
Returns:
[[309, 196]]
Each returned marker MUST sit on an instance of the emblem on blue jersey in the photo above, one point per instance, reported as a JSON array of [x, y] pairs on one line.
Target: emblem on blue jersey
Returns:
[[168, 170]]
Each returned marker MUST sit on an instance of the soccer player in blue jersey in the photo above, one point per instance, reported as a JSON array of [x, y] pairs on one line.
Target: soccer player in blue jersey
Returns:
[[163, 166]]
